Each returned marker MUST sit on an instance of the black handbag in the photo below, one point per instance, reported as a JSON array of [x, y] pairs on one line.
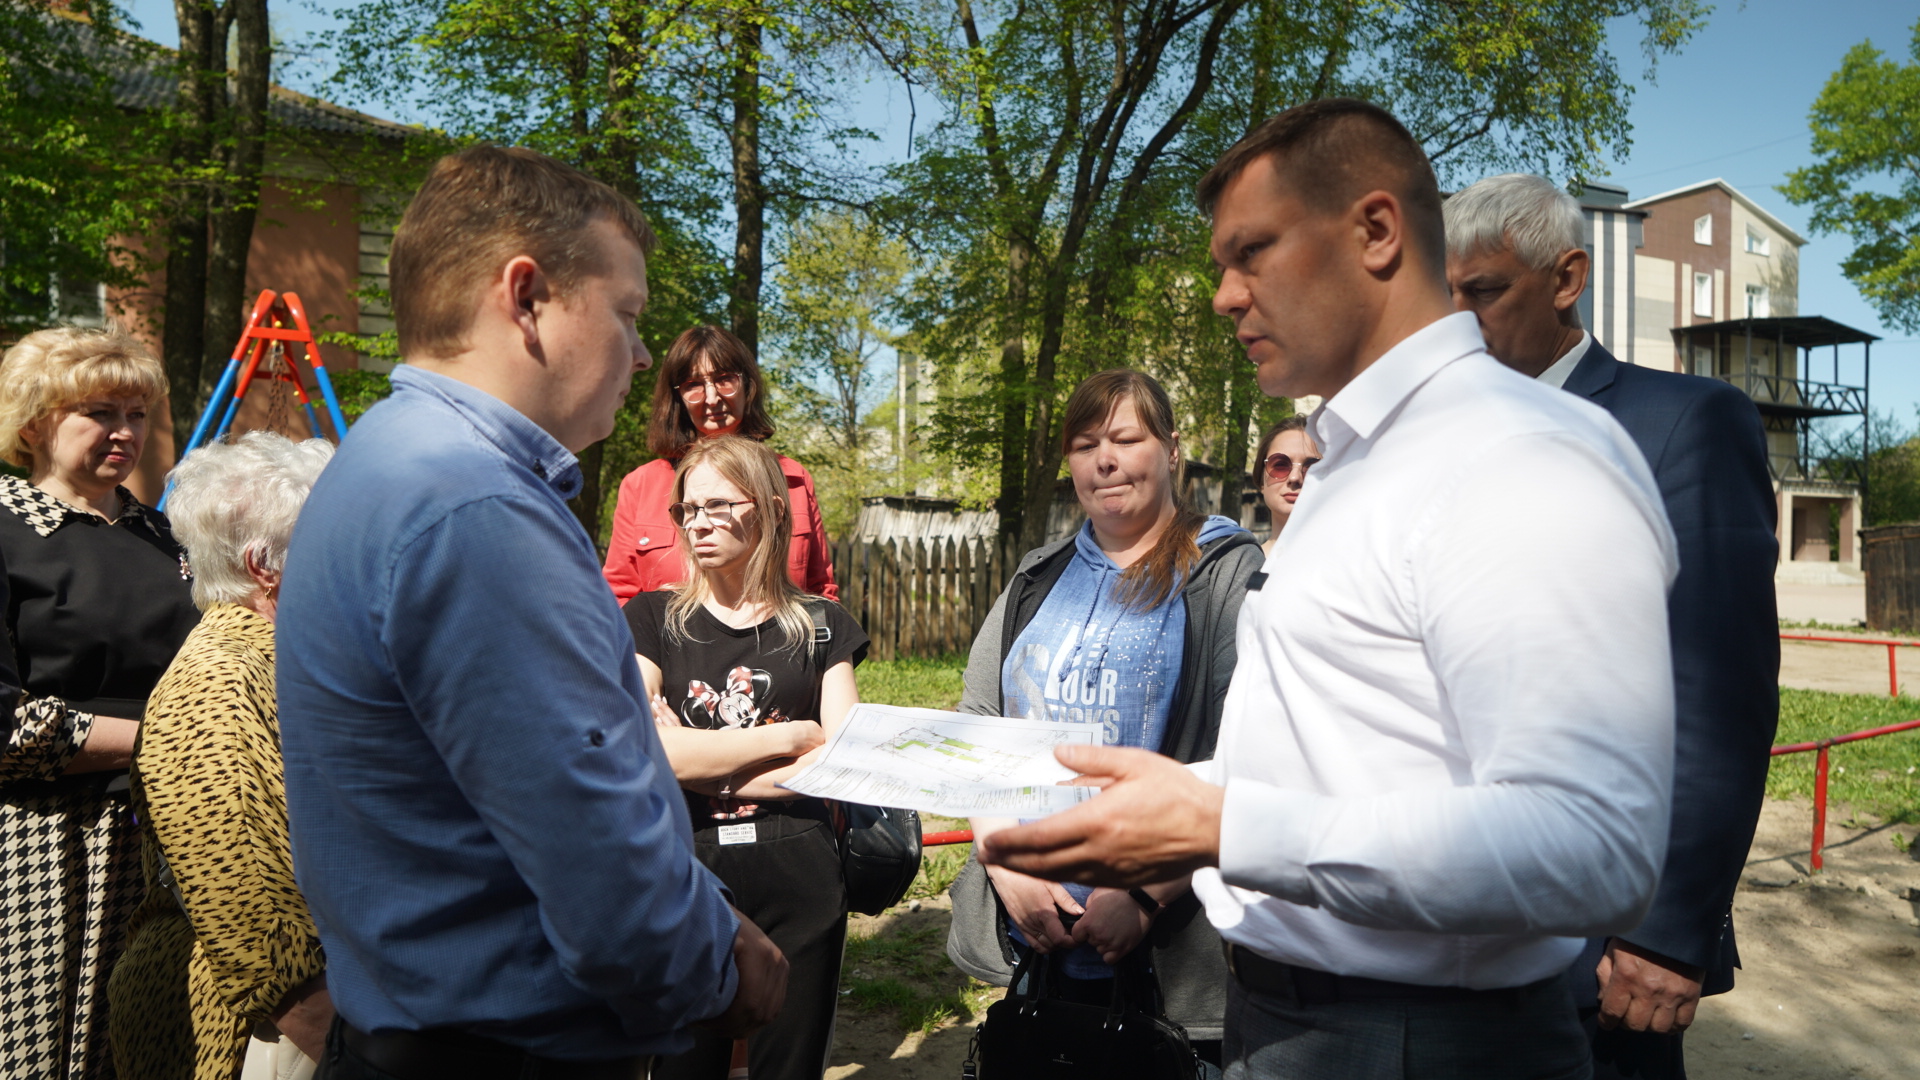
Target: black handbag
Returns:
[[1035, 1036], [879, 845]]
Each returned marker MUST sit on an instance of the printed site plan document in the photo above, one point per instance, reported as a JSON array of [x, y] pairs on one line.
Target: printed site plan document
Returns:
[[947, 763]]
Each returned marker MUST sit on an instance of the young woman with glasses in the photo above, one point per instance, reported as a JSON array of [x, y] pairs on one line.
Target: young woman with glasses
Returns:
[[740, 691], [1286, 453], [709, 386]]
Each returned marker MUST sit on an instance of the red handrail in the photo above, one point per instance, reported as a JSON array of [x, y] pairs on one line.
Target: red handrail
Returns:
[[935, 839], [1893, 668], [1820, 765]]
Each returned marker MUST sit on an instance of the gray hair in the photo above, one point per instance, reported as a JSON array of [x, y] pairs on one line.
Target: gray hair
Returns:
[[1524, 213], [240, 499]]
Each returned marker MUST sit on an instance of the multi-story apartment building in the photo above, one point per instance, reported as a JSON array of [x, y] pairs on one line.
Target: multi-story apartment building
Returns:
[[1704, 280]]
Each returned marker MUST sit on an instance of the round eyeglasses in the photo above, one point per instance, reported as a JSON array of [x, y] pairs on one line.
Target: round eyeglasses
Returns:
[[695, 391], [1280, 466], [718, 511]]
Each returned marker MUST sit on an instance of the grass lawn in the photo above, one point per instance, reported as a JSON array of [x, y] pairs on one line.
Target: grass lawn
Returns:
[[1878, 776], [920, 683]]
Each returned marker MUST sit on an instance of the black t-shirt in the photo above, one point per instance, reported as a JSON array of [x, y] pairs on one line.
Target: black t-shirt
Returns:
[[721, 677]]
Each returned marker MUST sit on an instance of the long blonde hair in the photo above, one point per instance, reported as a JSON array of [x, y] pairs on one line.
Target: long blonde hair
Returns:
[[755, 470]]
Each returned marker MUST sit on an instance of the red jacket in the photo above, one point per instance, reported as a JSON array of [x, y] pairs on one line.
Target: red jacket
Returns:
[[644, 554]]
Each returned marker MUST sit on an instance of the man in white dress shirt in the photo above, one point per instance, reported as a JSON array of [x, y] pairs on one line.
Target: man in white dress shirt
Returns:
[[1447, 751]]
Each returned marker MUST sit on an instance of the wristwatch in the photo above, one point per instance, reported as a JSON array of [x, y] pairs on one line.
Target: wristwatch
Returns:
[[1147, 903]]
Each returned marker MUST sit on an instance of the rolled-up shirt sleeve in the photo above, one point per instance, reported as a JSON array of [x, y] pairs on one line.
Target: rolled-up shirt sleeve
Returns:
[[1543, 617], [550, 743]]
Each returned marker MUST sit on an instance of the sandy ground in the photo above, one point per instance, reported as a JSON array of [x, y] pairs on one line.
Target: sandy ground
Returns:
[[1847, 669], [1830, 990], [1835, 605]]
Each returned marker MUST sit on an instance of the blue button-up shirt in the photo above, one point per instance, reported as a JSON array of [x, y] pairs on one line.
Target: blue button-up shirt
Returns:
[[484, 823]]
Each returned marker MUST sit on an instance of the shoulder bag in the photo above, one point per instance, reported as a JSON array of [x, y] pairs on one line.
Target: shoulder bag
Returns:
[[879, 845]]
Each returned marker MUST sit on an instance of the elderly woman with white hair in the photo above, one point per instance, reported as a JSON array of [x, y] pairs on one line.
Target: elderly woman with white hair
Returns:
[[96, 606], [223, 948]]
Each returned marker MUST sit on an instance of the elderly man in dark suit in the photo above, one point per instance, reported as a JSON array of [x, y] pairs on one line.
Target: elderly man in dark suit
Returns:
[[1515, 259]]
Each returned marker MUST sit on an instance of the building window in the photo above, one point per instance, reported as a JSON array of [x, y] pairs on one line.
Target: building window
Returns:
[[1703, 295], [1703, 361], [1757, 244], [1703, 229], [1757, 305]]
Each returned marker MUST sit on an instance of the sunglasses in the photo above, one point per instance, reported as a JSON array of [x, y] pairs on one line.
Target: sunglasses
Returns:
[[1280, 466], [718, 511], [726, 384]]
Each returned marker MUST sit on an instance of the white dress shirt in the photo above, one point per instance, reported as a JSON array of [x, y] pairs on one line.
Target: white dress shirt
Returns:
[[1556, 374], [1448, 747]]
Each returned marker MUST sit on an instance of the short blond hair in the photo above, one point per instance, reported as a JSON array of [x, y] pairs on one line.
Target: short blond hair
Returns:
[[52, 369]]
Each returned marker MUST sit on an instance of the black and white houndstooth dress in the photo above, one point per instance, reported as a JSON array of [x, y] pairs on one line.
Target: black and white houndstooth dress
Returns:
[[94, 613]]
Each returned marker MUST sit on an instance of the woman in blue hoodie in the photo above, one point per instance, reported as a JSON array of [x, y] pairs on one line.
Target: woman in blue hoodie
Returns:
[[1128, 624]]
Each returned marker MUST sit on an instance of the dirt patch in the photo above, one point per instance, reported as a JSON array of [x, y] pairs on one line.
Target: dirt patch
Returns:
[[1845, 669], [924, 1036], [1830, 988]]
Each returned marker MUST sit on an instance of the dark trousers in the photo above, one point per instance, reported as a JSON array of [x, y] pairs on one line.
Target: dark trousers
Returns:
[[1633, 1055], [788, 882], [1523, 1036]]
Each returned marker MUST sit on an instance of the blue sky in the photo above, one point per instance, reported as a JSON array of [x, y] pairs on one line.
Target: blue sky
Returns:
[[1732, 103]]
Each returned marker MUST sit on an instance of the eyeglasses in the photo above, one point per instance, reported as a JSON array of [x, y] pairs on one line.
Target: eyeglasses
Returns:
[[1280, 466], [718, 511], [725, 384]]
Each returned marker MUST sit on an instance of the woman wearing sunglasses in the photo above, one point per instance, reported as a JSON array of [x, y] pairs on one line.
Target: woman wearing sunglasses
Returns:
[[1127, 624], [709, 386], [1286, 453], [741, 688]]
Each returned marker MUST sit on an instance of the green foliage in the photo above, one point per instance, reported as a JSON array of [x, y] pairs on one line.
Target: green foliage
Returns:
[[824, 337], [1865, 182], [902, 967], [359, 389], [917, 682], [77, 173], [1052, 205], [1879, 776]]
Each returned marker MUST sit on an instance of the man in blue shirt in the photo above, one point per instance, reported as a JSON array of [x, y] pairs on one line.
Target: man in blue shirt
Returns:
[[484, 824]]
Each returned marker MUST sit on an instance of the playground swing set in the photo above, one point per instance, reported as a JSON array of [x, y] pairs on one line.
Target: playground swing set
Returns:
[[276, 328]]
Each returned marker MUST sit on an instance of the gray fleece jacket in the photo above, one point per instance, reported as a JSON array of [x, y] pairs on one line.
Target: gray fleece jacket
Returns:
[[1186, 951]]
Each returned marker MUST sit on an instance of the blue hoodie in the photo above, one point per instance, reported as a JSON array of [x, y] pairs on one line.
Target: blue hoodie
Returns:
[[1087, 658]]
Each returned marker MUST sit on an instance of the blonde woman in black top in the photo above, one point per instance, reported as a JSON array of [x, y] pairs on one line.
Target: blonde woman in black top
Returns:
[[730, 661], [97, 605]]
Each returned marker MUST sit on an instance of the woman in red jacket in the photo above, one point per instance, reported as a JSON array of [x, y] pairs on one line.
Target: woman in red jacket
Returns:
[[708, 386]]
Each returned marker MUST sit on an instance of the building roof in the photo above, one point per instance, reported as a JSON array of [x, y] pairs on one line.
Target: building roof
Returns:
[[1800, 331], [1740, 197], [143, 79]]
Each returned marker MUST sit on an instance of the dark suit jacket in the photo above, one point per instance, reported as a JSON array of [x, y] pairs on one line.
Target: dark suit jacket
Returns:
[[1704, 442]]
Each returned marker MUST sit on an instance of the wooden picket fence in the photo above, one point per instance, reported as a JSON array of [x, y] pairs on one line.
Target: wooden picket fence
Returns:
[[922, 597]]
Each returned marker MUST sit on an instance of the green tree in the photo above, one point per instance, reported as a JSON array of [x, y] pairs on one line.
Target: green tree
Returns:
[[217, 155], [1054, 193], [1865, 182], [828, 343], [76, 171], [699, 111]]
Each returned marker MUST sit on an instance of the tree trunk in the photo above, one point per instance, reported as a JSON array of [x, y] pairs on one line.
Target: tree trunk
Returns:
[[615, 162], [749, 190], [1233, 455], [1012, 500], [235, 202], [183, 319]]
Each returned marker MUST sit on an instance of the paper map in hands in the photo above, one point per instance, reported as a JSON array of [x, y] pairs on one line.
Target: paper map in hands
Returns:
[[946, 763]]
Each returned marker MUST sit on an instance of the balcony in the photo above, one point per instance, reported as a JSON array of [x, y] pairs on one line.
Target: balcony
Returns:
[[1782, 395]]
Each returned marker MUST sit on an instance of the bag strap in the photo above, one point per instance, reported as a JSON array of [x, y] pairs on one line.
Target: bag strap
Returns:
[[822, 635]]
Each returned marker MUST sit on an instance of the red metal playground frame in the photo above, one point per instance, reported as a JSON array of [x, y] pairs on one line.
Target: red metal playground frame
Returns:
[[1819, 747]]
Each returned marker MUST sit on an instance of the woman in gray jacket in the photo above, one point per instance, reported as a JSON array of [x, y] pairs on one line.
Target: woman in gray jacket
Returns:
[[1128, 624]]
